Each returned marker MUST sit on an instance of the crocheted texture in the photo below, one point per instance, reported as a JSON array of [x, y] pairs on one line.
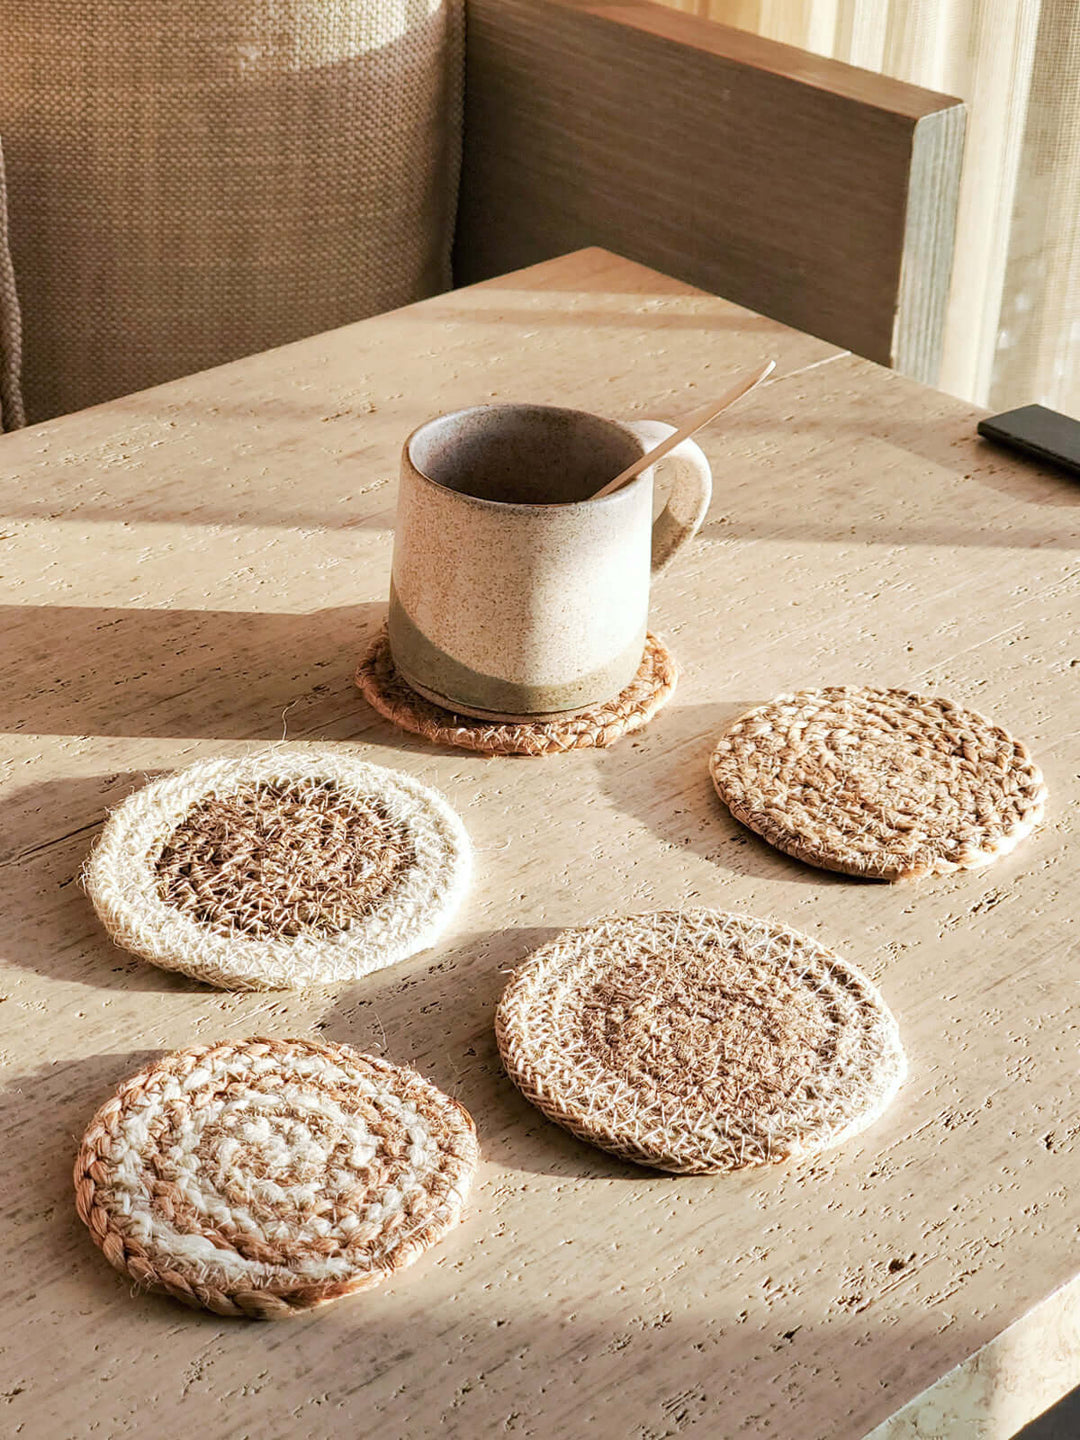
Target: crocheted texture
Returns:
[[699, 1041], [288, 868], [281, 859], [267, 1177], [596, 728], [878, 783]]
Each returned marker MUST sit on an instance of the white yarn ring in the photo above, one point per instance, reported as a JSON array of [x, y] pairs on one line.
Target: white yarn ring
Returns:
[[337, 868]]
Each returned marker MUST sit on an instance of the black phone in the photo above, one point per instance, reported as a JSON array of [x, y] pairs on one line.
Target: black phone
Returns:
[[1046, 434]]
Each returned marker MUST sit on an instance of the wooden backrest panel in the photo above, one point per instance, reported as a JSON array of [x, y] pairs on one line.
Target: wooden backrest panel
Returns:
[[816, 193]]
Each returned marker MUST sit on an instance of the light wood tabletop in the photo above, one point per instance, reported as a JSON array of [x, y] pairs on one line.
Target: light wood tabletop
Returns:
[[192, 572]]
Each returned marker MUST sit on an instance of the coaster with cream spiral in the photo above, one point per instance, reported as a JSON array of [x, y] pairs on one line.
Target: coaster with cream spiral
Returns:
[[879, 783], [699, 1041], [269, 1176], [287, 868]]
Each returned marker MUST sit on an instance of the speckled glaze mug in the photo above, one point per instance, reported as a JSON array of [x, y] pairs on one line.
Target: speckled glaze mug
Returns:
[[514, 595]]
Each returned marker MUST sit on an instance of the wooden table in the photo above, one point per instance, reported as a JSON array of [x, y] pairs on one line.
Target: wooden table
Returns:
[[192, 571]]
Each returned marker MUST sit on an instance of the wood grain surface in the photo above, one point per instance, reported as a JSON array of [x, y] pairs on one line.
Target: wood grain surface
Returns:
[[817, 193], [193, 570]]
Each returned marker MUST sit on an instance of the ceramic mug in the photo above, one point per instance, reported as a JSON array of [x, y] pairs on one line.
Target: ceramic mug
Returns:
[[515, 596]]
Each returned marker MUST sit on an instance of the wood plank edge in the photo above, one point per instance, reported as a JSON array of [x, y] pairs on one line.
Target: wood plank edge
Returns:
[[743, 47], [937, 148]]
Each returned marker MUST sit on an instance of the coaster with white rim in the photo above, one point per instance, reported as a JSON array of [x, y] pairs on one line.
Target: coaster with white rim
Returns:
[[595, 728], [266, 1177], [883, 784], [290, 867], [698, 1041]]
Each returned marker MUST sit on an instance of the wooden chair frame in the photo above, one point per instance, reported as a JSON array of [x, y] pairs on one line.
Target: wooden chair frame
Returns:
[[821, 195]]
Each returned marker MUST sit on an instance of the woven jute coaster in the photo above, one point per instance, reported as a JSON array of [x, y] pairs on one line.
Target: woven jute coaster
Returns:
[[385, 691], [879, 783], [269, 1176], [291, 867], [699, 1041]]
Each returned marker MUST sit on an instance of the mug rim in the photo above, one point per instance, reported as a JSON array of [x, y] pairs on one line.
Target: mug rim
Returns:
[[522, 505]]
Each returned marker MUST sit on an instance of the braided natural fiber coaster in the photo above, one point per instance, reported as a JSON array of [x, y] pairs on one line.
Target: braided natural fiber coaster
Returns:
[[287, 868], [387, 692], [878, 783], [699, 1041], [265, 1177]]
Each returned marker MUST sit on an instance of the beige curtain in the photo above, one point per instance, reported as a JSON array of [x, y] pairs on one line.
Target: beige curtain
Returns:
[[1013, 325]]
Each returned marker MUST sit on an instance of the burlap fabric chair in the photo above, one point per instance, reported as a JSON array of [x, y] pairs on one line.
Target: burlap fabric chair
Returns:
[[192, 182], [188, 183]]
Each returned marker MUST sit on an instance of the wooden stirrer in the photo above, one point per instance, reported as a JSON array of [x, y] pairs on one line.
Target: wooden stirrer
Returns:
[[691, 426]]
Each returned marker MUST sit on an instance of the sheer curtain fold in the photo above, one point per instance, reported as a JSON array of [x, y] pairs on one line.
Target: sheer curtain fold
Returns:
[[1013, 323]]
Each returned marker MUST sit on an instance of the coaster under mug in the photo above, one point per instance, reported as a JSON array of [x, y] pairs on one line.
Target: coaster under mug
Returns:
[[597, 728]]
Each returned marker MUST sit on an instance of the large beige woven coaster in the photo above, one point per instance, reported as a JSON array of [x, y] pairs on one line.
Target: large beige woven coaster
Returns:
[[387, 692], [291, 867], [269, 1176], [878, 783], [699, 1041]]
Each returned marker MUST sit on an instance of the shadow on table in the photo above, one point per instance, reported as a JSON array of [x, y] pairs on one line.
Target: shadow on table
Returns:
[[753, 487], [195, 674], [191, 673], [1026, 479], [438, 1017], [955, 445], [49, 924], [661, 779]]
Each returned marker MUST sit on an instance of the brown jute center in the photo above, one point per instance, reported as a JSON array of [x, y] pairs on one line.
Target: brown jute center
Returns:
[[722, 1030], [275, 859]]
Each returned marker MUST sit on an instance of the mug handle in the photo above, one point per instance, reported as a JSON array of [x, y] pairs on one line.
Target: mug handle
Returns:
[[685, 479]]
